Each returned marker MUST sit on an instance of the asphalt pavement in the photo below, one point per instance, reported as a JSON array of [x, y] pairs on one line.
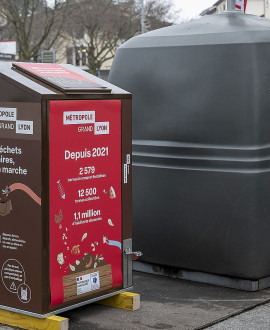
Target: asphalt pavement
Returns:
[[257, 318], [168, 303]]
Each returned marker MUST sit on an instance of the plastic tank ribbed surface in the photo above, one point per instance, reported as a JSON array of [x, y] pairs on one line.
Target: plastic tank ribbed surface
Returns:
[[201, 143]]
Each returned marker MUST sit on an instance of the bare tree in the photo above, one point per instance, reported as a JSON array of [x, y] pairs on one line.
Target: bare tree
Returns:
[[98, 27], [35, 24], [159, 14]]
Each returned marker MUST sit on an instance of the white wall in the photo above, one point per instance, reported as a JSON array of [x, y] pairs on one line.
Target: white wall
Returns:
[[255, 7]]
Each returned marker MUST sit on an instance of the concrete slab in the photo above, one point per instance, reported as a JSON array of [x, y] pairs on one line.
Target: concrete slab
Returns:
[[168, 303]]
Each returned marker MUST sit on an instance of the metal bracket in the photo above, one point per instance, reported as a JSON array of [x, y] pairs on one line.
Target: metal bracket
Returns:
[[127, 263], [128, 255]]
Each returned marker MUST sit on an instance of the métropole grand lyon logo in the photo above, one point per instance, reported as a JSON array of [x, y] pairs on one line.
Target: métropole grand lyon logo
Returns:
[[10, 115], [86, 117], [102, 128], [79, 117]]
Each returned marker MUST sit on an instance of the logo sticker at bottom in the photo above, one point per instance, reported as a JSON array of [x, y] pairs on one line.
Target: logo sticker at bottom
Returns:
[[87, 283]]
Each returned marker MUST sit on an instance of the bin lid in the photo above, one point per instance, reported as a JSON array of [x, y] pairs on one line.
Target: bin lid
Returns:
[[61, 77], [228, 27]]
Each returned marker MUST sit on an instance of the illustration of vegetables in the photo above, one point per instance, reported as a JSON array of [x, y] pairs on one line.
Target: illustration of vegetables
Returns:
[[60, 258], [93, 245], [99, 258], [84, 236], [58, 217], [6, 191], [112, 193], [61, 189], [89, 263], [110, 222], [75, 250]]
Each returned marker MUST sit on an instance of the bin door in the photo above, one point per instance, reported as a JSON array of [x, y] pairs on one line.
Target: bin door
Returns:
[[85, 198]]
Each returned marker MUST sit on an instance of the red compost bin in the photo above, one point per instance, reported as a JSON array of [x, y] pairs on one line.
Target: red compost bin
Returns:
[[65, 173]]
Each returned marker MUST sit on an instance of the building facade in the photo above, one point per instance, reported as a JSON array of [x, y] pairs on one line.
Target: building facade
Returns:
[[254, 7]]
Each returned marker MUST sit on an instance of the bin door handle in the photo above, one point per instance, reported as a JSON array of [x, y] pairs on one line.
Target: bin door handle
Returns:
[[134, 254]]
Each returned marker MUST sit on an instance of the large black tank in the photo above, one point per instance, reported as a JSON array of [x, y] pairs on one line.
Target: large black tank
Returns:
[[201, 144]]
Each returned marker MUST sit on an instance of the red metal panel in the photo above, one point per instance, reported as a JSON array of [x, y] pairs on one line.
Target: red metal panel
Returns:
[[85, 197]]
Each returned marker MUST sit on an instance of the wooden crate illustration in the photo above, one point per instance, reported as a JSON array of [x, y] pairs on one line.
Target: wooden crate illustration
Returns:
[[5, 208], [70, 282]]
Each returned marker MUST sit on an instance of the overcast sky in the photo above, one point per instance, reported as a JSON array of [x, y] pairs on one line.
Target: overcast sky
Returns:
[[192, 8]]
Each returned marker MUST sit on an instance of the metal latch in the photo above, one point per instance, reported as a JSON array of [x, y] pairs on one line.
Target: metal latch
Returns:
[[135, 254]]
